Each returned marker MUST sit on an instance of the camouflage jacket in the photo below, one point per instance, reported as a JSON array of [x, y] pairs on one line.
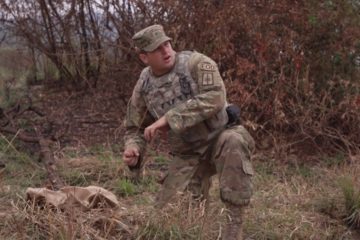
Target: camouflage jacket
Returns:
[[192, 97]]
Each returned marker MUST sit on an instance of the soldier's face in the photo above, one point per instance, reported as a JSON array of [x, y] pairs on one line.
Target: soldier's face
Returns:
[[161, 60]]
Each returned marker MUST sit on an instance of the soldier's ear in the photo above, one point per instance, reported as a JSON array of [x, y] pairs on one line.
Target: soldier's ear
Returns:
[[144, 58]]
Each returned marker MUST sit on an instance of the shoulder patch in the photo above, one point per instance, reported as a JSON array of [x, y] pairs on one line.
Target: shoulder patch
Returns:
[[207, 67], [207, 79]]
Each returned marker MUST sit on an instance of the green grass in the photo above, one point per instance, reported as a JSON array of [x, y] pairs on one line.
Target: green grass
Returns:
[[125, 187], [161, 159], [149, 184]]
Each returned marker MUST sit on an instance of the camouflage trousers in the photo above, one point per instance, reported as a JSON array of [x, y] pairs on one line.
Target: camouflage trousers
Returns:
[[229, 156]]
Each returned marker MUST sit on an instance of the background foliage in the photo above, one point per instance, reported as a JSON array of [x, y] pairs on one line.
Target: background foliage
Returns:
[[292, 66], [67, 69]]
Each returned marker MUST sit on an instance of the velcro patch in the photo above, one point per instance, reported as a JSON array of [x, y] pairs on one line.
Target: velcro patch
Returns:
[[207, 67], [207, 79]]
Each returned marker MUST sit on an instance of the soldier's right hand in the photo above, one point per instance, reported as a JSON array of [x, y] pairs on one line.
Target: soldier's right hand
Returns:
[[131, 156]]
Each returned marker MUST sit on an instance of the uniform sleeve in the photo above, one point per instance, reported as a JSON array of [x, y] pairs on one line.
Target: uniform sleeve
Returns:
[[210, 99], [137, 118]]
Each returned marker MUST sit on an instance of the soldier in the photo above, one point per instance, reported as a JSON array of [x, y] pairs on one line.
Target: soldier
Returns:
[[183, 95]]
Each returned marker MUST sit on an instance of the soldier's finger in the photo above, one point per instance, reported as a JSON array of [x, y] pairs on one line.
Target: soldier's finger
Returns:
[[136, 152], [133, 161], [130, 160], [149, 133], [127, 157], [127, 160], [129, 152], [146, 134]]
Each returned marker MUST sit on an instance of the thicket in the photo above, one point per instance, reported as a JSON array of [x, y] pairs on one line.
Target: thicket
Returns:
[[292, 66]]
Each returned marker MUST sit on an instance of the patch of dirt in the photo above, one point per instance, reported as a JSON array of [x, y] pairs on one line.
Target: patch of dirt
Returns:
[[85, 118]]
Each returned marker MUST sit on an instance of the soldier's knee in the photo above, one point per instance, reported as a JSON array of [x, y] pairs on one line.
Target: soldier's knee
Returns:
[[233, 140], [239, 196], [237, 136]]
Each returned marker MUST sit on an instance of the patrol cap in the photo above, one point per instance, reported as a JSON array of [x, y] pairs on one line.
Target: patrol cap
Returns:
[[150, 38]]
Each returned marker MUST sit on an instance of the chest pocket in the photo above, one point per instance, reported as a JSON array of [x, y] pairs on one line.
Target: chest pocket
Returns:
[[162, 94]]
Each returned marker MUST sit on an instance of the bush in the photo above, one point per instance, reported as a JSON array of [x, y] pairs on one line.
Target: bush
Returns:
[[291, 66]]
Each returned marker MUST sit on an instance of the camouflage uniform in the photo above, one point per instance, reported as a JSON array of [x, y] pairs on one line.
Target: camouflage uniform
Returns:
[[192, 97]]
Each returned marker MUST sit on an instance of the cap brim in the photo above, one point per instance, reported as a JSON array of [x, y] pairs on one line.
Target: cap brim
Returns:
[[156, 44]]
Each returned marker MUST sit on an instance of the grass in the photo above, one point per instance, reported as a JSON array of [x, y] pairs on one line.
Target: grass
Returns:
[[125, 188], [293, 206], [21, 170], [161, 159], [352, 202], [335, 160], [290, 202], [183, 219]]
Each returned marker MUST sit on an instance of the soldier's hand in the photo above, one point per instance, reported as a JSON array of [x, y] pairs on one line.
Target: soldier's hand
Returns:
[[160, 125], [131, 156]]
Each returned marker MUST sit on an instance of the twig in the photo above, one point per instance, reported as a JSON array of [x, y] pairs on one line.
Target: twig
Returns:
[[10, 142]]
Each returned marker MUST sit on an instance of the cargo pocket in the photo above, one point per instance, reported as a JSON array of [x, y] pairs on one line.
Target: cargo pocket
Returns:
[[247, 167]]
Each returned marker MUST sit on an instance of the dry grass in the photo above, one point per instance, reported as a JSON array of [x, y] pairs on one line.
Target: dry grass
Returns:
[[300, 203], [291, 202]]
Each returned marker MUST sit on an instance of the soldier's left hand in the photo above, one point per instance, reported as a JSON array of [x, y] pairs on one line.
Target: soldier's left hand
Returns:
[[160, 125]]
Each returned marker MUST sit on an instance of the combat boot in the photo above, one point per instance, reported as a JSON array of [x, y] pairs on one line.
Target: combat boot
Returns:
[[233, 227]]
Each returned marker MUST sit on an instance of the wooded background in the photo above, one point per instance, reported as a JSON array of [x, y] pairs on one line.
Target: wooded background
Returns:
[[292, 66]]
